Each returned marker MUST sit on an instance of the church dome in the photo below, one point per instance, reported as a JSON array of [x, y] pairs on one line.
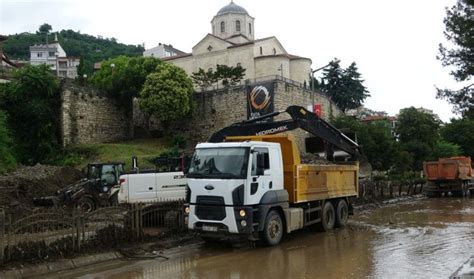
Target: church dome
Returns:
[[232, 8]]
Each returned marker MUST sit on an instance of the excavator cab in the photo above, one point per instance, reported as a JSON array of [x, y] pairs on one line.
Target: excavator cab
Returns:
[[105, 175]]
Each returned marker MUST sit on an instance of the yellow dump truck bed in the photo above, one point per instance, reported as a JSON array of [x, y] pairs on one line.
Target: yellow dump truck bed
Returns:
[[318, 182], [306, 182]]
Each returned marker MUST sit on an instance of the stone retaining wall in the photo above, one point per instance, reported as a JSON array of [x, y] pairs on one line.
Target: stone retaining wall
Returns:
[[90, 116], [218, 109]]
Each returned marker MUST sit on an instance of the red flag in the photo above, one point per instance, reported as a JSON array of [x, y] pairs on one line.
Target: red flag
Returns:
[[317, 110]]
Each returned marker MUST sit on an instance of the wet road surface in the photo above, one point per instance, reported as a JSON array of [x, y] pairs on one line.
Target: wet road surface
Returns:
[[425, 238]]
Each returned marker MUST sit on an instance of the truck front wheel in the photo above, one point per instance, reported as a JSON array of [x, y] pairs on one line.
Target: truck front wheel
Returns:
[[273, 228], [328, 217], [342, 213], [86, 204]]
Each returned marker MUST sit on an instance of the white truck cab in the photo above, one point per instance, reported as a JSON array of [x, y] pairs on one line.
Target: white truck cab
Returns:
[[229, 184]]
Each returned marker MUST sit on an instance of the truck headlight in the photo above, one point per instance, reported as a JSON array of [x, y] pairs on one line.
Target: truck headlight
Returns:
[[242, 213], [187, 210], [243, 223]]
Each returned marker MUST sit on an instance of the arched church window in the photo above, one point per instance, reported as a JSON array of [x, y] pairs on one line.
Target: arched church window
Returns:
[[261, 50], [222, 27], [237, 26], [250, 28]]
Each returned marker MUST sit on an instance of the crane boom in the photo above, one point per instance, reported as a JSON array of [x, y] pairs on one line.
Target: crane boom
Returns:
[[300, 118]]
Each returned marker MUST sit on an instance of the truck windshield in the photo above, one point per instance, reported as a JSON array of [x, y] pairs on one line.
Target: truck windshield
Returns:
[[223, 163]]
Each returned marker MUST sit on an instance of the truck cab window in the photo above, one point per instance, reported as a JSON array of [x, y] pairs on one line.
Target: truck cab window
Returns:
[[266, 156], [108, 174], [223, 163]]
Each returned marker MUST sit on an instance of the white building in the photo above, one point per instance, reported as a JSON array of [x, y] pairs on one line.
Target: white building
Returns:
[[67, 66], [429, 111], [53, 54], [162, 51], [232, 43]]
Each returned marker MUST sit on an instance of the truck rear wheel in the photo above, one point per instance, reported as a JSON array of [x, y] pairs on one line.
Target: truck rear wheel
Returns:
[[342, 213], [272, 229], [328, 217]]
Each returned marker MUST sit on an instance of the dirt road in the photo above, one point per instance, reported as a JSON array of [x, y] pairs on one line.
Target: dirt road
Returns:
[[426, 238]]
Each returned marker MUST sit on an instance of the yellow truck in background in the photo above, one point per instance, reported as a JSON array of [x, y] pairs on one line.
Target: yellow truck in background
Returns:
[[247, 183]]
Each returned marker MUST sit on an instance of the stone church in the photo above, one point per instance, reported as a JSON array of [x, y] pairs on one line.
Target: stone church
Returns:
[[233, 43]]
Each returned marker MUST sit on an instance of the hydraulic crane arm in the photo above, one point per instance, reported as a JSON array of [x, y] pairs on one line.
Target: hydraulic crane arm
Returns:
[[300, 118]]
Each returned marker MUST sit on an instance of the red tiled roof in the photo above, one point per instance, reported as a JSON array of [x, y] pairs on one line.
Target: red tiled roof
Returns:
[[374, 118]]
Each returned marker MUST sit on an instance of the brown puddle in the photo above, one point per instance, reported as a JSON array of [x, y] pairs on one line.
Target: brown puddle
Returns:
[[428, 238]]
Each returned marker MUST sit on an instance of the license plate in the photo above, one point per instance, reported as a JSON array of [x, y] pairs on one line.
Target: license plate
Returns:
[[209, 228]]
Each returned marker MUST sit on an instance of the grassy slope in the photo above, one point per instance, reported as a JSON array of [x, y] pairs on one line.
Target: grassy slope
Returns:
[[123, 151]]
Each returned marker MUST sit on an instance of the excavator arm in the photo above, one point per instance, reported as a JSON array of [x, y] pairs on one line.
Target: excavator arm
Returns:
[[300, 118]]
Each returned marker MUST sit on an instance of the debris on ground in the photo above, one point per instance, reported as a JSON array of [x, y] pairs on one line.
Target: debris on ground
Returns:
[[18, 188], [156, 248]]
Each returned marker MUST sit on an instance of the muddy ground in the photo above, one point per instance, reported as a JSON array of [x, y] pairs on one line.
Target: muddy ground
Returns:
[[18, 188], [419, 238]]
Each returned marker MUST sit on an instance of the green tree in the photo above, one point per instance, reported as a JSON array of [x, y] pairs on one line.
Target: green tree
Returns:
[[81, 70], [403, 161], [460, 132], [344, 86], [418, 133], [90, 48], [379, 146], [444, 149], [229, 75], [7, 160], [459, 22], [167, 94], [204, 79], [124, 76], [45, 28], [375, 141], [31, 102]]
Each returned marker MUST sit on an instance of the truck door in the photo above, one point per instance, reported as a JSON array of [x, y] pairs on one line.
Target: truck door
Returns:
[[142, 187], [258, 185]]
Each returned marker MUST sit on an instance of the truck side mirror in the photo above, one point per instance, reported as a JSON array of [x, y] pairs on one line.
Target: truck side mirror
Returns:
[[260, 164]]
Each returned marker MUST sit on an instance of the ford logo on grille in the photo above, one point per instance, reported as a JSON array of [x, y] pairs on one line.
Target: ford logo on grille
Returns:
[[209, 187]]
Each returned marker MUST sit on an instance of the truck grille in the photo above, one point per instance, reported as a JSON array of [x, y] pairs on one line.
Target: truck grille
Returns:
[[210, 208]]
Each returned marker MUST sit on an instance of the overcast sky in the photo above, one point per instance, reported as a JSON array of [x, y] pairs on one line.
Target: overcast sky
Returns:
[[394, 43]]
